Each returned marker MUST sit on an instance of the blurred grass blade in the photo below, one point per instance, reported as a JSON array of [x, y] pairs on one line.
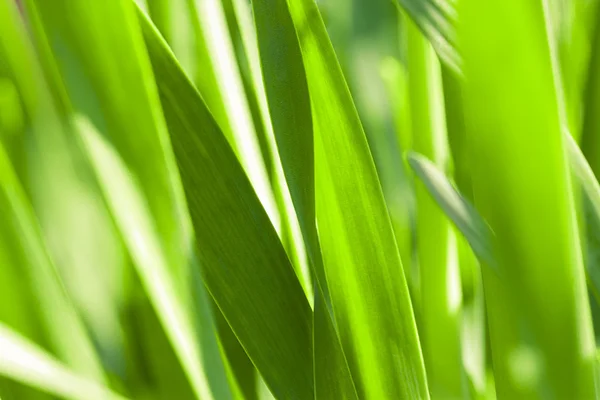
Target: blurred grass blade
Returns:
[[437, 20], [541, 345], [395, 78], [132, 217], [355, 231], [61, 189], [245, 267], [441, 297], [103, 69], [25, 362], [459, 210], [56, 310]]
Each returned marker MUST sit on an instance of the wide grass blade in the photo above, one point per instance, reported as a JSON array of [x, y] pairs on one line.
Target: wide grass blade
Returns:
[[541, 344], [245, 267], [361, 258]]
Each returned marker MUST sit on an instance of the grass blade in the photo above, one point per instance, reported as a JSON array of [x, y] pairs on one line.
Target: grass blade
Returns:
[[132, 217], [458, 209], [437, 255], [355, 231], [540, 344], [591, 189], [245, 267], [103, 69], [437, 20], [25, 362], [290, 110]]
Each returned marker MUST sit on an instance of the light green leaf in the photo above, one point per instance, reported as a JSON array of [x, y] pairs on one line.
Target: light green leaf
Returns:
[[367, 286], [439, 274], [245, 267], [290, 110], [25, 362], [542, 345]]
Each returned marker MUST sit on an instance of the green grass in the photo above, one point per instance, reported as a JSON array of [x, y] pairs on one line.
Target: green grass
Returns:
[[291, 199]]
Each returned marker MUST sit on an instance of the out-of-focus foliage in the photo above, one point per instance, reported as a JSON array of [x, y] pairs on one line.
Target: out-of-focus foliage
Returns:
[[298, 199]]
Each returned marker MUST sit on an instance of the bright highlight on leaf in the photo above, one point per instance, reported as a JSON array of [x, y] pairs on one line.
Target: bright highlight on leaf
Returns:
[[27, 363]]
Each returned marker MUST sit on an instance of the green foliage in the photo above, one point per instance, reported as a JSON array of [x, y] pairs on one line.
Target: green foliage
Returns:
[[299, 199]]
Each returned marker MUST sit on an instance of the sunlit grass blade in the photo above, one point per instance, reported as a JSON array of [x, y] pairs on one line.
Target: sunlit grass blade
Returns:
[[26, 362], [395, 78], [290, 110], [244, 265], [436, 242], [290, 230], [355, 231], [541, 344], [473, 320], [213, 26]]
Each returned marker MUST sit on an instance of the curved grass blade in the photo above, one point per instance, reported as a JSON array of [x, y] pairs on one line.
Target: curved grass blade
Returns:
[[361, 260], [25, 362], [458, 209], [245, 267], [437, 20]]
